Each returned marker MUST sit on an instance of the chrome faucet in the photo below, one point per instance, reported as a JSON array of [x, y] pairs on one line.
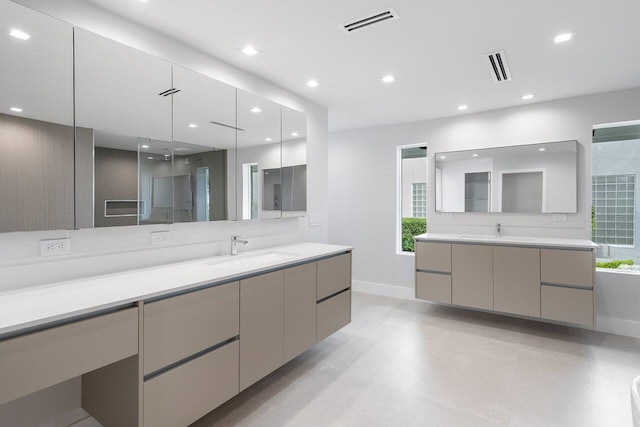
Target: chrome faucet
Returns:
[[498, 230], [234, 244]]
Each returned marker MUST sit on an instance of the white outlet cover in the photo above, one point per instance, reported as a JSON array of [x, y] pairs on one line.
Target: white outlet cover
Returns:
[[54, 247], [446, 215], [159, 237], [559, 218]]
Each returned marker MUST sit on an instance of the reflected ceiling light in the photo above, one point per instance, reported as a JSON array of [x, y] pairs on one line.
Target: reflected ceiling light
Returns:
[[294, 133], [144, 146], [249, 50], [541, 149], [268, 139], [443, 157], [193, 125], [150, 157], [475, 155], [16, 109], [561, 38], [388, 79], [255, 110], [313, 83], [19, 34], [462, 107], [527, 97]]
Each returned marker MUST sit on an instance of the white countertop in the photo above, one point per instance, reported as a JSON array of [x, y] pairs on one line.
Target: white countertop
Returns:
[[39, 305], [547, 242]]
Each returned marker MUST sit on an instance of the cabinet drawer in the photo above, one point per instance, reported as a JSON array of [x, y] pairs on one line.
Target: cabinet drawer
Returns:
[[567, 267], [334, 275], [176, 328], [38, 360], [567, 305], [184, 394], [433, 256], [433, 287], [333, 314]]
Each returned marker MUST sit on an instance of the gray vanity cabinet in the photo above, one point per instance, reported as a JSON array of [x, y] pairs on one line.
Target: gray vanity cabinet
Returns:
[[334, 295], [472, 276], [299, 309], [433, 271]]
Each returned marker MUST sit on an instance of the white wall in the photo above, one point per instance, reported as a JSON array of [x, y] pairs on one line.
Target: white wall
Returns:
[[362, 184]]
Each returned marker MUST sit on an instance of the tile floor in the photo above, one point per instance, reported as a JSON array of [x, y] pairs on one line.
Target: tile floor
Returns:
[[410, 363]]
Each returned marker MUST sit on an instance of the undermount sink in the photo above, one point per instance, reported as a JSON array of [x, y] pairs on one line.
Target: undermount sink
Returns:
[[251, 260], [497, 239]]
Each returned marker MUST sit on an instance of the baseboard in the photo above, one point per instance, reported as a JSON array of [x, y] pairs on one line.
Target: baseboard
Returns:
[[384, 290], [628, 328]]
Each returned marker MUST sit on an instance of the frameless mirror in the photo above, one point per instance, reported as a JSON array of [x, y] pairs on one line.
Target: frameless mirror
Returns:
[[536, 178], [204, 129], [36, 121], [124, 156], [294, 163], [259, 156]]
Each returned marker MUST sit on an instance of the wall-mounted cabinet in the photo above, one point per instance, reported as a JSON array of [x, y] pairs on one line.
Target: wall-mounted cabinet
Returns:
[[554, 284], [153, 143]]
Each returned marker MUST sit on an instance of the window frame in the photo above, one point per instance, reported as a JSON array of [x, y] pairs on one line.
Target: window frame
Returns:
[[398, 218]]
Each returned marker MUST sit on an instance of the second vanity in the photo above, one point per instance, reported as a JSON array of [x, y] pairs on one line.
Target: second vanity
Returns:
[[543, 278], [164, 346]]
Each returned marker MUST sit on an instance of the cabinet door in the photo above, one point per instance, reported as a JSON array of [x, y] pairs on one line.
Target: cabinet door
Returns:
[[261, 326], [433, 256], [472, 276], [433, 287], [299, 309], [516, 280], [334, 275]]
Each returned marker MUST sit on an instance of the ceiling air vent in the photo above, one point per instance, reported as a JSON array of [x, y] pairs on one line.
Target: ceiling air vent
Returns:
[[381, 16], [168, 92], [498, 65], [226, 126]]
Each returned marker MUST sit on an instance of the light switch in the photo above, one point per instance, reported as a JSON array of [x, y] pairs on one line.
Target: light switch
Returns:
[[314, 220]]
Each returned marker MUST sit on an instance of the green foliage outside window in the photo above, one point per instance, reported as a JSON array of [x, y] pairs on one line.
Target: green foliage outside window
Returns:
[[412, 227], [615, 263]]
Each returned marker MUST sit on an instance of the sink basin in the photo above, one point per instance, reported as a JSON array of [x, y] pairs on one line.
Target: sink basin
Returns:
[[497, 239], [479, 238], [251, 260]]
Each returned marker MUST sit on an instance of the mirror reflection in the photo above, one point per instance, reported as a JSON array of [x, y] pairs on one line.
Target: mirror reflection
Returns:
[[36, 121], [123, 106], [259, 157], [294, 163], [536, 178], [204, 128]]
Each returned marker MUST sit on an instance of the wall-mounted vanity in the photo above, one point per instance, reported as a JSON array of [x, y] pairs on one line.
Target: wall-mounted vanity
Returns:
[[102, 135]]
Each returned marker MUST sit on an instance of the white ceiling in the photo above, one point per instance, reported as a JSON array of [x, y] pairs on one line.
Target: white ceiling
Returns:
[[435, 50]]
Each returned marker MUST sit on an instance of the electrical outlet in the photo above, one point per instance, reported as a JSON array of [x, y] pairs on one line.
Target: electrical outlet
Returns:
[[314, 220], [55, 247], [446, 215], [159, 237], [559, 218]]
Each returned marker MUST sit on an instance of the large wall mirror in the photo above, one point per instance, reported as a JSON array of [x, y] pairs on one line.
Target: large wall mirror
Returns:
[[204, 129], [36, 121], [123, 107], [294, 163], [259, 157], [536, 178]]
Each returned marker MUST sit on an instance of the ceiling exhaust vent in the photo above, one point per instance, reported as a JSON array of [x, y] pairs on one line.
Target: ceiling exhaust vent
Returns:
[[498, 64], [168, 92], [381, 16]]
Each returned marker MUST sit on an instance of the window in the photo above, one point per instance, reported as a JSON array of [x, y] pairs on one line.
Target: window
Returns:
[[412, 195], [614, 213]]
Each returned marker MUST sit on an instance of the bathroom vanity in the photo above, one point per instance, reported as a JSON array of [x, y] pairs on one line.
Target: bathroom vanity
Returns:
[[542, 278], [164, 346]]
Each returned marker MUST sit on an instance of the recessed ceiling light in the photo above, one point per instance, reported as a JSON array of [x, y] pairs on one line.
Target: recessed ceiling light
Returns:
[[313, 83], [294, 133], [193, 125], [388, 79], [475, 155], [462, 107], [144, 146], [541, 149], [19, 34], [16, 109], [561, 38], [255, 110], [527, 97], [249, 50], [268, 139]]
